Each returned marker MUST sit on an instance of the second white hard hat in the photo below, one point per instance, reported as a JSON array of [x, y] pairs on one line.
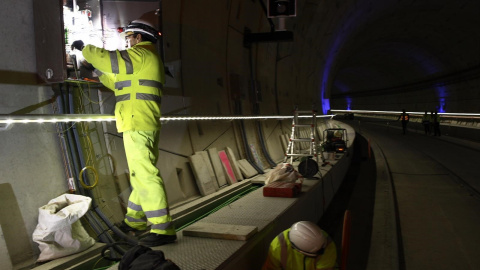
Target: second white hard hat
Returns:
[[307, 238]]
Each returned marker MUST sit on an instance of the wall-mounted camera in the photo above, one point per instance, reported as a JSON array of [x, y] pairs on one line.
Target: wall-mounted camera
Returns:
[[281, 8]]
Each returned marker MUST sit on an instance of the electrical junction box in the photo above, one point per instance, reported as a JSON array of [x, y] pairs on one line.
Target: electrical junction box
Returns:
[[282, 189]]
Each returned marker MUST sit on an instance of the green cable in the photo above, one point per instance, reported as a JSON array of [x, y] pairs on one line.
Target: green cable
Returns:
[[229, 201], [83, 82], [104, 268]]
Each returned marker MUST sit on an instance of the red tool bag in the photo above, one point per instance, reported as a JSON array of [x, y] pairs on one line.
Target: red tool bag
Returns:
[[282, 189]]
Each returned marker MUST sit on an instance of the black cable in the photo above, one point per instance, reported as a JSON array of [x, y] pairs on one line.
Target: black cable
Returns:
[[270, 21], [97, 227], [253, 90], [247, 151], [173, 153], [76, 148], [72, 152], [238, 111], [256, 111], [116, 135], [113, 227], [275, 83], [70, 143], [63, 135], [218, 137], [264, 148], [114, 245]]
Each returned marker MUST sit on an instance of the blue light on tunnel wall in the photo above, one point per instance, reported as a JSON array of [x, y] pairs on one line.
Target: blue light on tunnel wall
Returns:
[[441, 92], [441, 107], [349, 103], [343, 32], [325, 105]]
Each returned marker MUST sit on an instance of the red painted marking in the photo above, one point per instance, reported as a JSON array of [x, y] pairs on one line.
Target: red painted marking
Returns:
[[226, 163]]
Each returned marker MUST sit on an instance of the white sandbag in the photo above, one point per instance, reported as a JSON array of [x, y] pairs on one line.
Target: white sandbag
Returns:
[[283, 172], [59, 231]]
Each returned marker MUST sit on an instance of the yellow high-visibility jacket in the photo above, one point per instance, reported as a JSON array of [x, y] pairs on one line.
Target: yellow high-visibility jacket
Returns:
[[281, 255], [426, 119], [136, 75]]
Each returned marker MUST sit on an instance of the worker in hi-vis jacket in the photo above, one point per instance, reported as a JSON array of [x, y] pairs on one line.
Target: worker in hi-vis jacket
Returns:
[[405, 118], [136, 75], [302, 246]]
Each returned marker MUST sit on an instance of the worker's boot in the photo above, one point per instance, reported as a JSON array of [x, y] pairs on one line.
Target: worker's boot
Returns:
[[154, 240], [132, 232]]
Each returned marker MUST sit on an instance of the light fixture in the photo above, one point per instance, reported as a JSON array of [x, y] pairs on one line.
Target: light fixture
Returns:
[[458, 115], [65, 118]]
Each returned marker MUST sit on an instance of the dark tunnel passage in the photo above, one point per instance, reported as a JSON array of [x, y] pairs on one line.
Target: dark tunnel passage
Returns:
[[356, 194]]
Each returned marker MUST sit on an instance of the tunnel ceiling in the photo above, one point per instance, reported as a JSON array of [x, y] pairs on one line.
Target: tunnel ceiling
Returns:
[[379, 45]]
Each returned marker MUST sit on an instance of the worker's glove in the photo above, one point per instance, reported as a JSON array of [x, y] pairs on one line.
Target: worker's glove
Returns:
[[78, 44], [88, 66]]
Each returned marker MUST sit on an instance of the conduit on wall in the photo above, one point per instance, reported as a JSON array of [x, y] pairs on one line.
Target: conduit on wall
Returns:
[[74, 153]]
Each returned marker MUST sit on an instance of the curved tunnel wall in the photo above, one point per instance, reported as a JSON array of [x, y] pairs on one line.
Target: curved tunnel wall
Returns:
[[269, 214], [413, 55], [214, 75]]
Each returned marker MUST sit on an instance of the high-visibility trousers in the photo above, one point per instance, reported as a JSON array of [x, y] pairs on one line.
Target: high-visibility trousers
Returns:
[[148, 200]]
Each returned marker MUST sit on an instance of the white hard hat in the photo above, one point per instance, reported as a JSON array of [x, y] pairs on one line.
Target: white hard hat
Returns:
[[307, 238], [143, 27]]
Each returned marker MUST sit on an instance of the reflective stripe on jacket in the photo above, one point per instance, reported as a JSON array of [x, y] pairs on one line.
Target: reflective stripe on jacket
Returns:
[[404, 117], [281, 255], [137, 77]]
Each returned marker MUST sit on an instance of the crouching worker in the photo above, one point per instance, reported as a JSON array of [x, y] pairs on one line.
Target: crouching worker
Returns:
[[302, 246]]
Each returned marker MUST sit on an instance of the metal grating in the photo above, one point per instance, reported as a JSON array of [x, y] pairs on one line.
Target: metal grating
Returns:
[[206, 253]]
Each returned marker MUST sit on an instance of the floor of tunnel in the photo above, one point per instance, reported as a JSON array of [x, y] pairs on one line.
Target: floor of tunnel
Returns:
[[356, 194]]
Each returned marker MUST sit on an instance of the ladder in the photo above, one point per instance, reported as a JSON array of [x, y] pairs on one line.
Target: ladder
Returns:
[[303, 121]]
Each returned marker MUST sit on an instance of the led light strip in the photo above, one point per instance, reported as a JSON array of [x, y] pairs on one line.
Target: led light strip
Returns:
[[58, 118], [54, 118], [474, 115]]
